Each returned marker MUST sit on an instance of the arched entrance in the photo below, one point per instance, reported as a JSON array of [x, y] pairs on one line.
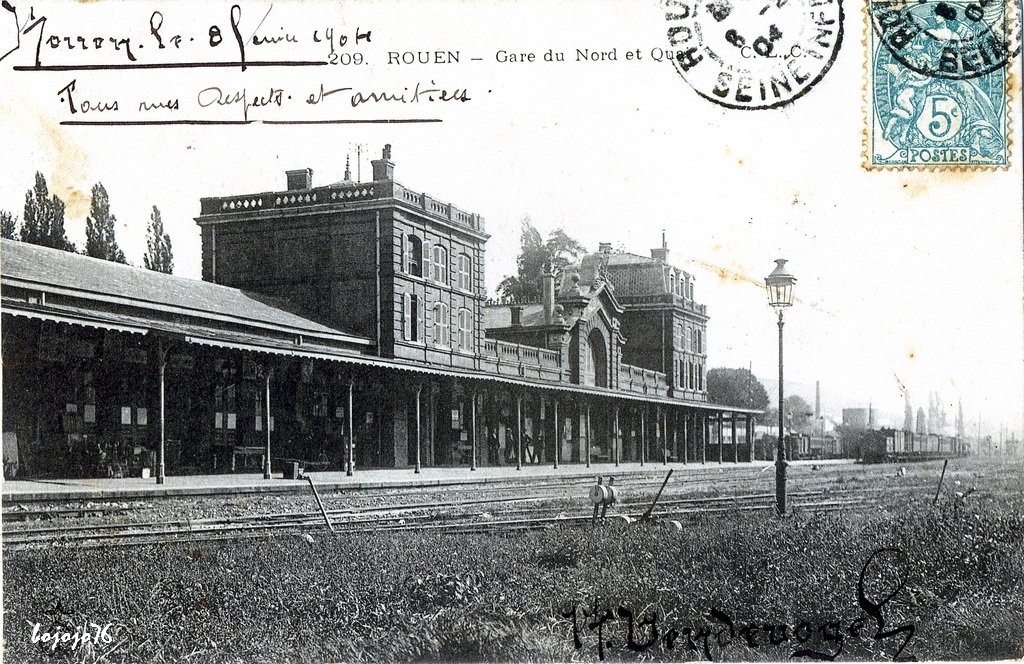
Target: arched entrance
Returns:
[[598, 356]]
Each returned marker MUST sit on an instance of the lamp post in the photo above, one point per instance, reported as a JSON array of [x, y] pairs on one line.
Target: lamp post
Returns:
[[780, 295]]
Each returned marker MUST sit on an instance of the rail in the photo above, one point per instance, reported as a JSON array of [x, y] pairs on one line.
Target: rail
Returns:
[[507, 351], [491, 509], [644, 381]]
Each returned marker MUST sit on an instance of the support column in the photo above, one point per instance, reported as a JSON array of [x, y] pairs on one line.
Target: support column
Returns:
[[266, 462], [351, 431], [590, 436], [472, 433], [577, 426], [735, 447], [663, 417], [675, 433], [519, 432], [617, 438], [643, 434], [686, 437], [419, 435], [162, 466], [431, 431], [705, 434], [748, 432], [558, 434], [719, 428]]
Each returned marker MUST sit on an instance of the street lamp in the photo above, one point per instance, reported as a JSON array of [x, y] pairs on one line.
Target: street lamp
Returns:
[[780, 295]]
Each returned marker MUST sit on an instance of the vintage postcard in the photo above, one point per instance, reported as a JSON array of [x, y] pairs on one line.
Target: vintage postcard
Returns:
[[511, 331]]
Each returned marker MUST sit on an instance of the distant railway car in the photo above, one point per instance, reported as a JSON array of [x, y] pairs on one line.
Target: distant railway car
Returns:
[[897, 445]]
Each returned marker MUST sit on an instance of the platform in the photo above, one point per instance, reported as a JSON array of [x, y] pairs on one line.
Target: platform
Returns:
[[248, 483]]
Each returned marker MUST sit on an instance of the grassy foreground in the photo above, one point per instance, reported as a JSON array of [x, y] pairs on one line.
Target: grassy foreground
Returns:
[[712, 589]]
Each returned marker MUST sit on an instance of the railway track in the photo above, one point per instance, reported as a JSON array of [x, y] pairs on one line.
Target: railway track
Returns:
[[557, 506]]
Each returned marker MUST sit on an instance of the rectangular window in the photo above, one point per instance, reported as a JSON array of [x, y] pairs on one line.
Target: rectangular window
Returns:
[[440, 264], [465, 329], [465, 272], [231, 420], [141, 417], [441, 337], [218, 420], [412, 248], [90, 413], [126, 414], [412, 317]]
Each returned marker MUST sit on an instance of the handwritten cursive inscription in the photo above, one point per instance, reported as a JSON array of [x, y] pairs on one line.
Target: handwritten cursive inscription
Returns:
[[822, 641]]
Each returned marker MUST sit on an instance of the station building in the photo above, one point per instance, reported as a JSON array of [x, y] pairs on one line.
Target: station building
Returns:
[[346, 326]]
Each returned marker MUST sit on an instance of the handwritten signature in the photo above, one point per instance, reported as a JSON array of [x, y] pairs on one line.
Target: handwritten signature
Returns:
[[644, 632], [72, 636]]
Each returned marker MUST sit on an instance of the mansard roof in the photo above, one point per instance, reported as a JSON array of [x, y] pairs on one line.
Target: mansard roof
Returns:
[[631, 275]]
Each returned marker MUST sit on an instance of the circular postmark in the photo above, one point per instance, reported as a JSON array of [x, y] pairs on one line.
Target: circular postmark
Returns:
[[753, 54], [954, 39]]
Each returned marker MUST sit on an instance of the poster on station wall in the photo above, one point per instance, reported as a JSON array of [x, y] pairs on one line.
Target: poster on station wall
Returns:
[[689, 268]]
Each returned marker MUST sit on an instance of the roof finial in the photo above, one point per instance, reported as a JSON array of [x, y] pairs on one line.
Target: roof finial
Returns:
[[348, 171]]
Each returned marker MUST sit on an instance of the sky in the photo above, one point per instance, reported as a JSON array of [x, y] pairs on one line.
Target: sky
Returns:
[[906, 280]]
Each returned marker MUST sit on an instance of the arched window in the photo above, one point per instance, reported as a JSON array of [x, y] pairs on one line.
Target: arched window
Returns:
[[682, 286], [441, 337], [672, 281], [596, 360], [465, 272], [700, 341], [465, 329], [413, 255], [440, 264]]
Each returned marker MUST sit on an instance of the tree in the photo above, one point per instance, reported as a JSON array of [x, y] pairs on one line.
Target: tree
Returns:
[[99, 228], [736, 387], [43, 221], [798, 411], [158, 245], [922, 423], [908, 413], [8, 225], [535, 256]]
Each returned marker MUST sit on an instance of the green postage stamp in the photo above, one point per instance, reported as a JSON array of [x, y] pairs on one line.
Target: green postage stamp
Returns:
[[938, 83]]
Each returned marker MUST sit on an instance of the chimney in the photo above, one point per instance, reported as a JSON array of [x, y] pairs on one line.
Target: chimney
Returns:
[[662, 253], [549, 294], [605, 247], [817, 399], [517, 315], [384, 168], [300, 179]]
